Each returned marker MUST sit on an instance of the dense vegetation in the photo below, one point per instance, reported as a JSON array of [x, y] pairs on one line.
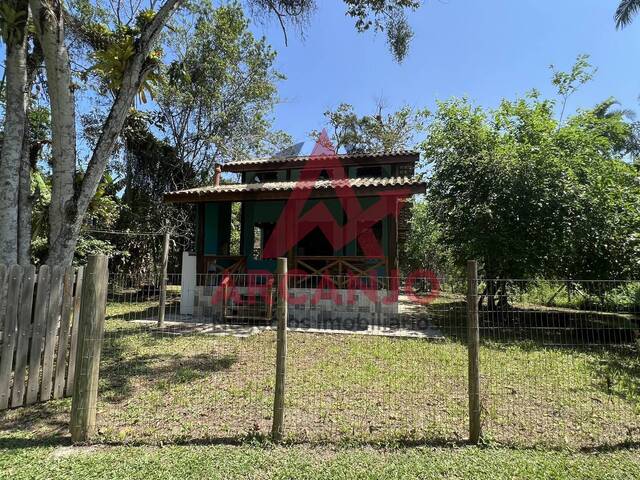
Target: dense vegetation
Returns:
[[528, 194], [208, 82]]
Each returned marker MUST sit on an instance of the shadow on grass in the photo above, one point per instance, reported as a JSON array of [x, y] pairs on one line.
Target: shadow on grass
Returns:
[[540, 327], [52, 416], [121, 369], [612, 340], [263, 441]]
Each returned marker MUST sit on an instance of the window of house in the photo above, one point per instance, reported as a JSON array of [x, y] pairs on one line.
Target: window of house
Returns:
[[371, 171], [261, 234], [324, 175], [263, 177], [315, 244]]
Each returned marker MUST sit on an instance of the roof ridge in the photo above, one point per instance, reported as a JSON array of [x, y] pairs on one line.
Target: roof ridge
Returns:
[[337, 155]]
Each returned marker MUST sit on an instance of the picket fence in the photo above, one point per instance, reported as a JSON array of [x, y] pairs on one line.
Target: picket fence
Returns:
[[39, 317]]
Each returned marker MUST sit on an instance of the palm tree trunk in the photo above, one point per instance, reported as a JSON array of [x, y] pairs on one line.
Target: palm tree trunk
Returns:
[[15, 120]]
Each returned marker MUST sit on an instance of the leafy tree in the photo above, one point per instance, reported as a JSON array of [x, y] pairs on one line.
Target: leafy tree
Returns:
[[569, 82], [376, 132], [216, 97], [90, 48], [103, 213], [424, 247], [530, 197]]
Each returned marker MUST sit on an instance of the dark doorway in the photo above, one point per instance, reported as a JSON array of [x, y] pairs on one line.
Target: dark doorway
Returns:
[[315, 244]]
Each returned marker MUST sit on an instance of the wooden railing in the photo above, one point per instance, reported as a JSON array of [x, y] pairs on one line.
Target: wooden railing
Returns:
[[320, 265], [225, 263], [340, 269]]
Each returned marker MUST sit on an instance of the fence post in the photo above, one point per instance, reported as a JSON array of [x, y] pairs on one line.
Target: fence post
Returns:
[[163, 284], [473, 342], [277, 431], [90, 330]]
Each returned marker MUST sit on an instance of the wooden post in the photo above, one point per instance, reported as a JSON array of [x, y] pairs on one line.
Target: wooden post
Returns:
[[473, 342], [90, 330], [163, 284], [277, 431], [77, 299]]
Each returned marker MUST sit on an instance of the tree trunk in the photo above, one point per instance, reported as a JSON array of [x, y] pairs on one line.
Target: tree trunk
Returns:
[[25, 202], [29, 160], [49, 22], [69, 206], [15, 118]]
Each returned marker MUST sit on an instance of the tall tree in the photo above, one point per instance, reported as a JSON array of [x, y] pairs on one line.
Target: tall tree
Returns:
[[68, 203], [128, 62], [379, 131], [217, 95], [529, 197], [14, 16]]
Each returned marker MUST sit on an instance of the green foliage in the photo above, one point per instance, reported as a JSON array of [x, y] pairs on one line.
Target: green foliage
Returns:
[[114, 50], [103, 213], [388, 16], [424, 247], [12, 23], [626, 11], [567, 83], [216, 102], [530, 197], [379, 132]]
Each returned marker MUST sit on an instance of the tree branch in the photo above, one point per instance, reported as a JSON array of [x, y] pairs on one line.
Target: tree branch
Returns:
[[131, 81]]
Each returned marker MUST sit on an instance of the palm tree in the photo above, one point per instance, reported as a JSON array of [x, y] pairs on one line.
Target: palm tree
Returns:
[[626, 11], [605, 110]]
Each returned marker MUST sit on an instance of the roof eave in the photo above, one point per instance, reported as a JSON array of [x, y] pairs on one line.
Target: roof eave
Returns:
[[201, 197]]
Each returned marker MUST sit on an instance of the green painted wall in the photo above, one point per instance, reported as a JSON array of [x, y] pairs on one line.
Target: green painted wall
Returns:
[[217, 228], [350, 172], [249, 176], [270, 211]]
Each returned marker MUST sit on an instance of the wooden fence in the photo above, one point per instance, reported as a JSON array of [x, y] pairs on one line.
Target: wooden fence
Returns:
[[39, 317]]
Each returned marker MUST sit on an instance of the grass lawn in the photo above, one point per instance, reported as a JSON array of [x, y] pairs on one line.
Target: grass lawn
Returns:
[[197, 405], [305, 462]]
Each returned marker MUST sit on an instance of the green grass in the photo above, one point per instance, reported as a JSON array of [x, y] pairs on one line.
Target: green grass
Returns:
[[348, 389], [174, 404], [303, 462]]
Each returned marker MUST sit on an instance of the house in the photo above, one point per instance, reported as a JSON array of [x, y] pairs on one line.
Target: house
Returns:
[[331, 215]]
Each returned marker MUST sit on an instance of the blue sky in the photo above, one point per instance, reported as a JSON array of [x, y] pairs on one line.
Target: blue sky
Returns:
[[485, 50]]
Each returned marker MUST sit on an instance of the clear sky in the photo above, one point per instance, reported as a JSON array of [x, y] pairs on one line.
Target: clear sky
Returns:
[[485, 50]]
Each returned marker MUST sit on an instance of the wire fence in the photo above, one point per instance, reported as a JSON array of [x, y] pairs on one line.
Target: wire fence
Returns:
[[560, 361], [371, 359]]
